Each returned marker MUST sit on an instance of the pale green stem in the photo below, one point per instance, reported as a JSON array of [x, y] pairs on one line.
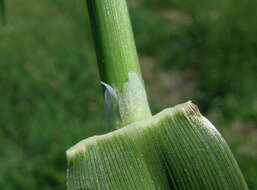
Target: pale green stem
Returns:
[[118, 61]]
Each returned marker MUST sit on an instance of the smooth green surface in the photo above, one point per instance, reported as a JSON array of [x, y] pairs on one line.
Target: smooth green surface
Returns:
[[115, 45], [117, 60], [175, 149]]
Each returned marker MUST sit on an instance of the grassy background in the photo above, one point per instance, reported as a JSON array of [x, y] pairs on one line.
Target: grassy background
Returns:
[[50, 92]]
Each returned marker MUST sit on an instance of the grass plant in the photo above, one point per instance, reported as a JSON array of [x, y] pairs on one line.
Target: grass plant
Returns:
[[175, 149]]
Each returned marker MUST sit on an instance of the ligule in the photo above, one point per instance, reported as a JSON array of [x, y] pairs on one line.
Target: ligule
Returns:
[[175, 149]]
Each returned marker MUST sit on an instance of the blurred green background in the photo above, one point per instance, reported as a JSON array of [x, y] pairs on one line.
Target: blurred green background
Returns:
[[205, 51]]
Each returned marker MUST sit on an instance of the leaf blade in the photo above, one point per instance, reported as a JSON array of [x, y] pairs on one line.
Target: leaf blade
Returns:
[[175, 149]]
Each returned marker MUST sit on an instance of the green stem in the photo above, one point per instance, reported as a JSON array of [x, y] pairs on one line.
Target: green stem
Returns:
[[118, 61]]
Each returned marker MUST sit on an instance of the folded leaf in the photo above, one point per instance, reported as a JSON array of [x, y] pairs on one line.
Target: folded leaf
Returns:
[[175, 149]]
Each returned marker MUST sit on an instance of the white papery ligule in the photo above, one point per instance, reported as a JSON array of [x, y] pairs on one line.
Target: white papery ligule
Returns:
[[175, 149], [129, 104]]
